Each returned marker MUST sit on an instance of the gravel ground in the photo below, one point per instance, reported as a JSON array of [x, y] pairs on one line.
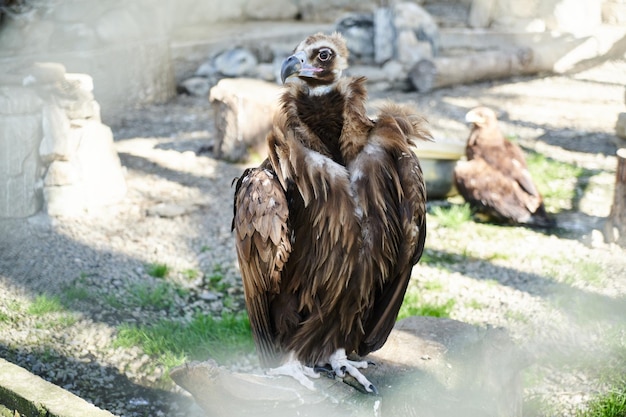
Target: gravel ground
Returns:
[[562, 294]]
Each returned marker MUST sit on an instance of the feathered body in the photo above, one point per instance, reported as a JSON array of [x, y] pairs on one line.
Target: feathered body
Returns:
[[495, 179], [329, 227]]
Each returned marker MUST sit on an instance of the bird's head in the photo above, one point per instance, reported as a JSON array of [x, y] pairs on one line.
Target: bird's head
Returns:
[[481, 116], [318, 61]]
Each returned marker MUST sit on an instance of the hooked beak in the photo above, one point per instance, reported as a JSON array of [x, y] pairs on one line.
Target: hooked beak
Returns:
[[296, 65], [472, 117]]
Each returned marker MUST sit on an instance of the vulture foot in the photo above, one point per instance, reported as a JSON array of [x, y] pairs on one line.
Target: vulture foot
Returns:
[[347, 369], [297, 371]]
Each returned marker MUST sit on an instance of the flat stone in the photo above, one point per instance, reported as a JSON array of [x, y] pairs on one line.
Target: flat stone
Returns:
[[428, 366], [30, 395]]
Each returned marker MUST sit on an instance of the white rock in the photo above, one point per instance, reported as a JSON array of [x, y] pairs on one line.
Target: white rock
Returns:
[[197, 86], [236, 62], [58, 143], [481, 13], [61, 173]]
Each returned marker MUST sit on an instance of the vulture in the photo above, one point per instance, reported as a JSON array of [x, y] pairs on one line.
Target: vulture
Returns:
[[330, 225], [495, 180]]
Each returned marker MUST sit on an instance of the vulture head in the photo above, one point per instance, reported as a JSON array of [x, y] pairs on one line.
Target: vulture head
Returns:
[[481, 117], [484, 126], [317, 61]]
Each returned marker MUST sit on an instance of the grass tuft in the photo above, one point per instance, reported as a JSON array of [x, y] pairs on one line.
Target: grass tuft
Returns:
[[612, 404], [172, 342], [554, 180], [413, 305], [452, 217], [158, 270], [44, 304]]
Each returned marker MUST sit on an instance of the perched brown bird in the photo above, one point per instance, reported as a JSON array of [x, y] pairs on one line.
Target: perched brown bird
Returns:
[[495, 179], [329, 227]]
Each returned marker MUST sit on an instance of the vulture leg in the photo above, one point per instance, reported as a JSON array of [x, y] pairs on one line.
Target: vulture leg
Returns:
[[294, 368], [342, 365]]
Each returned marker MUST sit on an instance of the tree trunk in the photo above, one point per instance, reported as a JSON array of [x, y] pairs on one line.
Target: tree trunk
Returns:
[[429, 74], [615, 229]]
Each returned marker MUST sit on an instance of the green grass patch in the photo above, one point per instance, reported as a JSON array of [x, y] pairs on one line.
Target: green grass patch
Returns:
[[413, 305], [172, 342], [4, 318], [157, 270], [553, 179], [191, 274], [612, 404], [44, 304], [452, 217]]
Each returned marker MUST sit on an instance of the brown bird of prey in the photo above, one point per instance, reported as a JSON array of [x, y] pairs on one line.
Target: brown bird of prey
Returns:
[[495, 180], [329, 227]]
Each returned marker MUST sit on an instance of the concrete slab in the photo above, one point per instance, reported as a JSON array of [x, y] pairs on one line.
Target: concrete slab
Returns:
[[32, 396]]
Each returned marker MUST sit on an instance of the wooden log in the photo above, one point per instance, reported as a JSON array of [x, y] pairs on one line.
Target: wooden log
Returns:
[[243, 109], [428, 366], [429, 74], [615, 227]]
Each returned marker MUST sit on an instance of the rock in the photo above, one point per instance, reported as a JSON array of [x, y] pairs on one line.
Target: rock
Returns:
[[358, 30], [95, 172], [16, 100], [416, 18], [620, 126], [59, 142], [102, 175], [384, 35], [480, 13], [614, 12], [20, 134], [410, 50], [243, 110], [436, 366], [395, 71], [61, 173], [237, 62], [196, 86]]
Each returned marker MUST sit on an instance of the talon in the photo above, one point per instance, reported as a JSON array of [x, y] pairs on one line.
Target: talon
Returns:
[[349, 371], [293, 368]]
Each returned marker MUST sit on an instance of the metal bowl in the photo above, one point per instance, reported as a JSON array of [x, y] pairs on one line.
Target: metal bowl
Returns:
[[438, 159]]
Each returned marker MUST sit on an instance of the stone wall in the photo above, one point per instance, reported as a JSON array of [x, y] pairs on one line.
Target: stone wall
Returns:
[[55, 152], [123, 45]]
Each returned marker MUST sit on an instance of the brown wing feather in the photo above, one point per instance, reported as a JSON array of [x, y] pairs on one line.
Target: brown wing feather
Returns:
[[404, 200], [263, 246]]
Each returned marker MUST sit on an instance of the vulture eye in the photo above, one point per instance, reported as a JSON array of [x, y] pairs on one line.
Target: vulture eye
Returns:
[[325, 54]]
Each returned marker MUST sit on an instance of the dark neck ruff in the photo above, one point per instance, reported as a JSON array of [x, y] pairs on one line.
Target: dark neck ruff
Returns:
[[323, 114]]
